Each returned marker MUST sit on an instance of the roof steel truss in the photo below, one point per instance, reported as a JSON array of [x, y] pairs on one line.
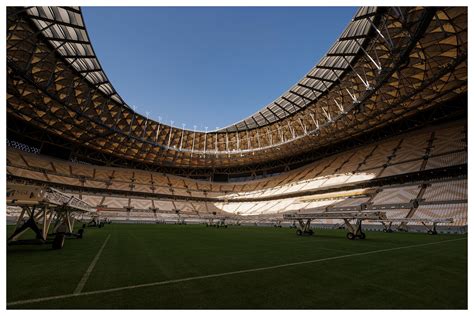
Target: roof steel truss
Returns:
[[386, 65]]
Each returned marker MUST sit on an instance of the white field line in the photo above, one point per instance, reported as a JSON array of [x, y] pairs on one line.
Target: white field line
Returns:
[[36, 300], [86, 275]]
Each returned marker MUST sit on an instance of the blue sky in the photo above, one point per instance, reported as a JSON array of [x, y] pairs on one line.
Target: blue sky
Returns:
[[209, 66]]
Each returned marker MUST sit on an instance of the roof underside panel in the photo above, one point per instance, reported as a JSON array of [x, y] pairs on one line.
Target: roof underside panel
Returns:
[[412, 60], [64, 28], [319, 79]]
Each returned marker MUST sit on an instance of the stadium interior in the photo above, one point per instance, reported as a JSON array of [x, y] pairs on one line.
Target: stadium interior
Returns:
[[372, 141]]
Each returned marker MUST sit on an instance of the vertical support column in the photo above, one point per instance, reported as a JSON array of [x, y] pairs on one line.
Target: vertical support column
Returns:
[[258, 139], [205, 142], [249, 146], [45, 223], [227, 141], [182, 135], [238, 140], [194, 138]]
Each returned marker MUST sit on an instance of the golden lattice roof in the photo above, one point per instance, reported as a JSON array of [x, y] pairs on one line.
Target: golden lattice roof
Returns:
[[387, 65]]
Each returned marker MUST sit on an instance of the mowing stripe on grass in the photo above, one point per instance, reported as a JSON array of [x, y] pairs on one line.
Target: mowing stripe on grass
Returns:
[[86, 275], [36, 300]]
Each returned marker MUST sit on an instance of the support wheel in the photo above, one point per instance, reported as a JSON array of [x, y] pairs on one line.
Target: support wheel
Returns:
[[58, 242], [80, 233], [350, 236], [310, 232], [362, 236], [299, 232]]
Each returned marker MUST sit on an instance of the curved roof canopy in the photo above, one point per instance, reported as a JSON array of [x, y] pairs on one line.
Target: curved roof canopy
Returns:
[[389, 64], [319, 79], [64, 28]]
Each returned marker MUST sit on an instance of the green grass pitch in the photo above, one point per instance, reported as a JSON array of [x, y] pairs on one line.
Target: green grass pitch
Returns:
[[431, 275]]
